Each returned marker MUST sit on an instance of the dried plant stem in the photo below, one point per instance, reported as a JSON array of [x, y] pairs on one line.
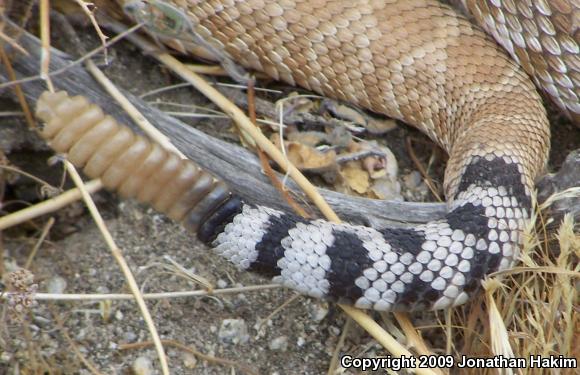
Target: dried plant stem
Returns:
[[38, 243], [334, 360], [266, 162], [67, 67], [412, 335], [386, 340], [151, 131], [212, 70], [17, 89], [419, 166], [45, 38], [152, 296], [48, 206], [63, 331], [277, 310], [117, 254], [91, 16]]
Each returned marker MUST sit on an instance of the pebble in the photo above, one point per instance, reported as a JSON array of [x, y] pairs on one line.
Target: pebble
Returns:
[[334, 330], [221, 283], [142, 366], [6, 357], [412, 180], [56, 285], [233, 331], [129, 336], [189, 360], [279, 343], [300, 342], [318, 311]]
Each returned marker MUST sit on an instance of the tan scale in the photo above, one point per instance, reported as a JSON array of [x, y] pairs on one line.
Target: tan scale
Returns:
[[415, 60]]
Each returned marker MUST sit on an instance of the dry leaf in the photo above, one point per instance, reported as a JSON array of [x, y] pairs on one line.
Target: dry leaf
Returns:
[[355, 177], [305, 157], [308, 158], [308, 138]]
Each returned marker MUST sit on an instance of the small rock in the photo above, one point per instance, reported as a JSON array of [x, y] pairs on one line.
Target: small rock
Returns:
[[129, 336], [6, 357], [300, 342], [142, 366], [222, 284], [241, 298], [102, 289], [81, 334], [387, 189], [119, 315], [412, 180], [189, 360], [233, 331], [318, 311], [56, 285], [42, 321], [335, 331], [279, 343]]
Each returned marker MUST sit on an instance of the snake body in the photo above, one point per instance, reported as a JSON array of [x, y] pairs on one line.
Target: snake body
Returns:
[[418, 61]]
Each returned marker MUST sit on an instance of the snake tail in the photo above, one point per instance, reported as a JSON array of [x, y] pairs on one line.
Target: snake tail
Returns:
[[433, 266]]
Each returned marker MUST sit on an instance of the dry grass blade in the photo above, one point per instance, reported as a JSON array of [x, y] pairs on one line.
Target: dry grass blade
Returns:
[[415, 340], [63, 331], [45, 37], [266, 162], [82, 59], [38, 243], [277, 310], [534, 311], [334, 361], [48, 206], [116, 252], [500, 344], [151, 131], [171, 267], [151, 296], [419, 166], [17, 89]]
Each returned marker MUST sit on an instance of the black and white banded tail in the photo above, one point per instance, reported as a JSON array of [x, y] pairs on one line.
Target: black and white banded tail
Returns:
[[433, 266]]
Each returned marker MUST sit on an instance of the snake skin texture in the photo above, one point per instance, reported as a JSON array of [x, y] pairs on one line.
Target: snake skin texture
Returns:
[[420, 62], [543, 37]]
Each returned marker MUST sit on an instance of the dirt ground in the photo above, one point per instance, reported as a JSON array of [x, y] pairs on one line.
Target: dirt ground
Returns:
[[299, 338]]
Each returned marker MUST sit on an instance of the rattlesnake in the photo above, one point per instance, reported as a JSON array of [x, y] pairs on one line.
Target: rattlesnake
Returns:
[[414, 60]]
